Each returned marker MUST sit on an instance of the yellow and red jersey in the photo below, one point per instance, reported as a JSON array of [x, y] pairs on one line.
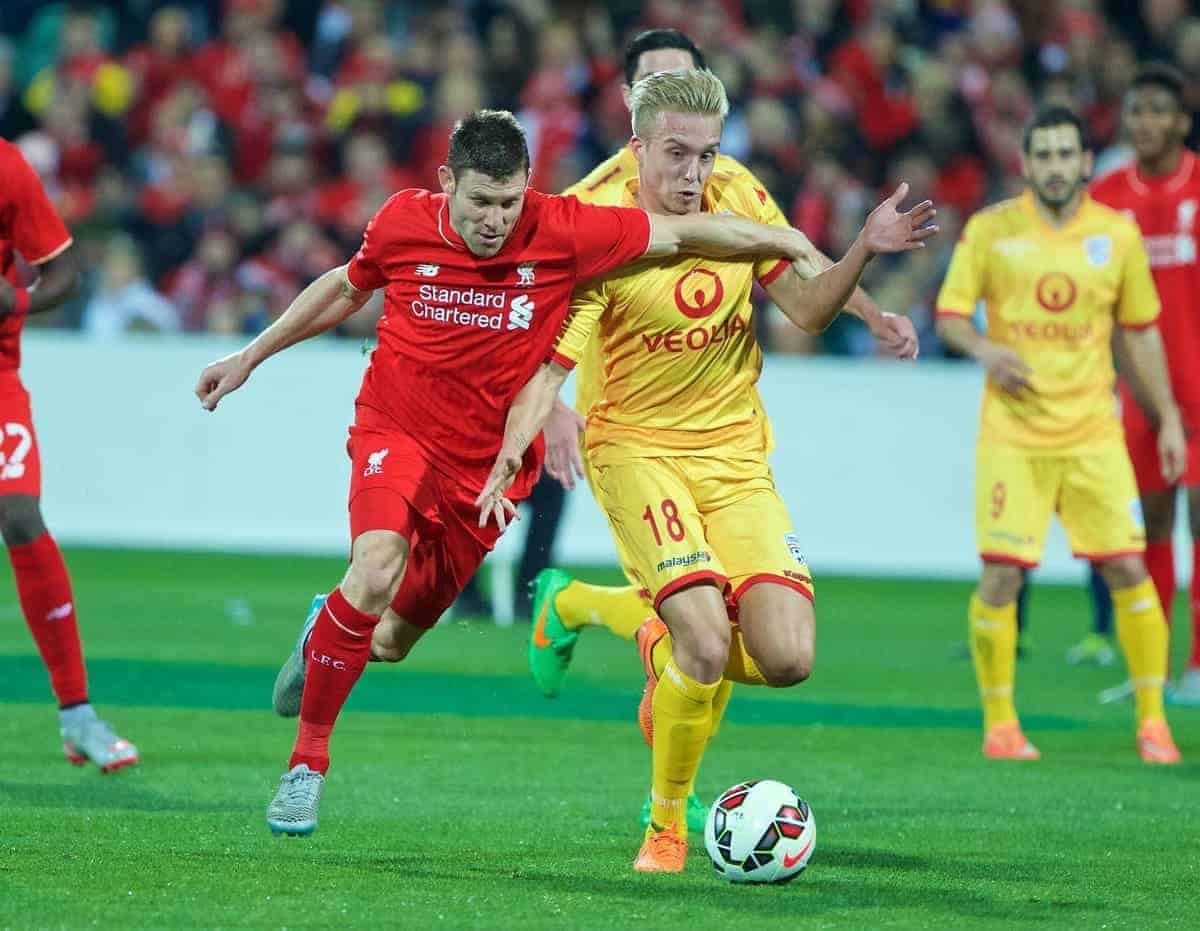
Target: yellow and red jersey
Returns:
[[1053, 295], [607, 185], [672, 342]]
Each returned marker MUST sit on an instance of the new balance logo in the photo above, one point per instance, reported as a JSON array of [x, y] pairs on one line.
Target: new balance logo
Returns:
[[62, 611], [520, 314], [375, 463], [525, 277], [428, 270]]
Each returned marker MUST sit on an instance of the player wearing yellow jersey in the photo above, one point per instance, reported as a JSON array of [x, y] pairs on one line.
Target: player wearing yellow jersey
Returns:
[[677, 440], [562, 606], [1056, 271]]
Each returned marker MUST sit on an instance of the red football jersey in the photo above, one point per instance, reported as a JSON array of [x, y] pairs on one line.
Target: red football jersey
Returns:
[[1165, 209], [460, 334], [28, 225]]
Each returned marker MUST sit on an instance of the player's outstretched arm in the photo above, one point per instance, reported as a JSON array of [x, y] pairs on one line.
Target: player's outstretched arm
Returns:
[[721, 236], [1147, 363], [526, 417], [320, 307], [812, 304], [57, 278]]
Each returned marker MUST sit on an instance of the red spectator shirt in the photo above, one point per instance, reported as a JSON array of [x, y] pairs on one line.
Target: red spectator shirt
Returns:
[[460, 334], [1165, 209], [28, 225]]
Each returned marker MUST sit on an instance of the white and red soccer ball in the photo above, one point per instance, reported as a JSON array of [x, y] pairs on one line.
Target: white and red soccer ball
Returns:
[[760, 832]]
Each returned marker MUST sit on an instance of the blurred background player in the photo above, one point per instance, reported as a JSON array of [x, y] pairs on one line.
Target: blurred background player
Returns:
[[677, 439], [33, 236], [563, 605], [1056, 272], [1160, 191]]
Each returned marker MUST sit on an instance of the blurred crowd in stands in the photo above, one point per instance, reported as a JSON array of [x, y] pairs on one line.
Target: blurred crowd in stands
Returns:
[[213, 156]]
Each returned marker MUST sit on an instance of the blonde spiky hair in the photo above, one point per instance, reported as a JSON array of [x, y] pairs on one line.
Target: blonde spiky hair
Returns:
[[697, 91]]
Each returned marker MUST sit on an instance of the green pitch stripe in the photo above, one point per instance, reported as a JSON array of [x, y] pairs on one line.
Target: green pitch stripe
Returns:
[[392, 690]]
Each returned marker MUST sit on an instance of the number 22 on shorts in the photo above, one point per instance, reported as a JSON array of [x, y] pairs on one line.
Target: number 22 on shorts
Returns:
[[671, 521]]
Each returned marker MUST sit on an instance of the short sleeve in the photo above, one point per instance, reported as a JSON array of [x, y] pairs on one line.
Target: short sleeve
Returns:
[[38, 232], [607, 237], [1137, 304], [767, 270], [365, 270], [587, 304], [963, 286]]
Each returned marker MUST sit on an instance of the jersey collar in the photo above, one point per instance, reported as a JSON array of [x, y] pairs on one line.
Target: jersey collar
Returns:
[[1030, 207], [1169, 183]]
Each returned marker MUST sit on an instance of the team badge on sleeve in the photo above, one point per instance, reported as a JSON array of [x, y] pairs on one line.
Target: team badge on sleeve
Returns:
[[792, 541]]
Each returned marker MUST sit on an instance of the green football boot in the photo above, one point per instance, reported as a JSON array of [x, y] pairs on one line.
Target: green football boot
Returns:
[[550, 643]]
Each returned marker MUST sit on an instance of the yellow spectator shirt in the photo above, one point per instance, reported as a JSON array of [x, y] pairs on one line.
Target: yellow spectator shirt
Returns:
[[666, 347], [1052, 295]]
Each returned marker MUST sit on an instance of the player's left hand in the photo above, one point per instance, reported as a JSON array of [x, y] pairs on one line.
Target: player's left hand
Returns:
[[896, 335], [888, 230], [1172, 449], [491, 501], [564, 463]]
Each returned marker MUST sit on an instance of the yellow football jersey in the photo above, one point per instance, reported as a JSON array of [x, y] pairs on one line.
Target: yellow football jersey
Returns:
[[678, 359], [1052, 294], [607, 185]]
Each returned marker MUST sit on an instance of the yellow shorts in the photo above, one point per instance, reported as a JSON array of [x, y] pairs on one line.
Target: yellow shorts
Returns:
[[1094, 494], [679, 520]]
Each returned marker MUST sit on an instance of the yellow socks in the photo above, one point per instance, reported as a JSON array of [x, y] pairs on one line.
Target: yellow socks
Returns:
[[993, 637], [720, 703], [621, 609], [1142, 632], [682, 720]]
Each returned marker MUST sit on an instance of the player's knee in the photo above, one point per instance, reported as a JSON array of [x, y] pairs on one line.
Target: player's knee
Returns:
[[785, 671], [20, 520], [1000, 583], [1124, 572], [387, 650], [708, 652]]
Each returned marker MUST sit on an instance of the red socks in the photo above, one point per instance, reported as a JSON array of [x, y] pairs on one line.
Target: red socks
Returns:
[[335, 657], [1160, 563], [44, 589], [1194, 657]]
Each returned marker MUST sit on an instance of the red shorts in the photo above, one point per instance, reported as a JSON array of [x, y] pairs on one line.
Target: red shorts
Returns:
[[1142, 442], [394, 486], [20, 464]]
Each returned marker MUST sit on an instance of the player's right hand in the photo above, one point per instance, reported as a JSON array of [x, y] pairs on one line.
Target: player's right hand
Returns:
[[1007, 369], [491, 501], [221, 377], [1172, 449]]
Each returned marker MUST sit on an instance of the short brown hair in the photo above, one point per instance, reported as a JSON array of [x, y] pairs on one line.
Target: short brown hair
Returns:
[[490, 142]]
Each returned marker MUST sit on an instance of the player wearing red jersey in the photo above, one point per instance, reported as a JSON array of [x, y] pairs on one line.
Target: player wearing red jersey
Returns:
[[1160, 191], [478, 281], [30, 228]]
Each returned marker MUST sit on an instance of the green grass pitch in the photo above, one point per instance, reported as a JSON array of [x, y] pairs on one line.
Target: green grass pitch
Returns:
[[459, 798]]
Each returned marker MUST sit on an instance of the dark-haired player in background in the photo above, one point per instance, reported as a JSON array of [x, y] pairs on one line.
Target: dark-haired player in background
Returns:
[[1160, 191], [30, 227], [1059, 275]]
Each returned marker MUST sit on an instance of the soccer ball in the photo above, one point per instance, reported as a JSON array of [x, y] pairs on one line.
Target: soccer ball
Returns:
[[760, 832]]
